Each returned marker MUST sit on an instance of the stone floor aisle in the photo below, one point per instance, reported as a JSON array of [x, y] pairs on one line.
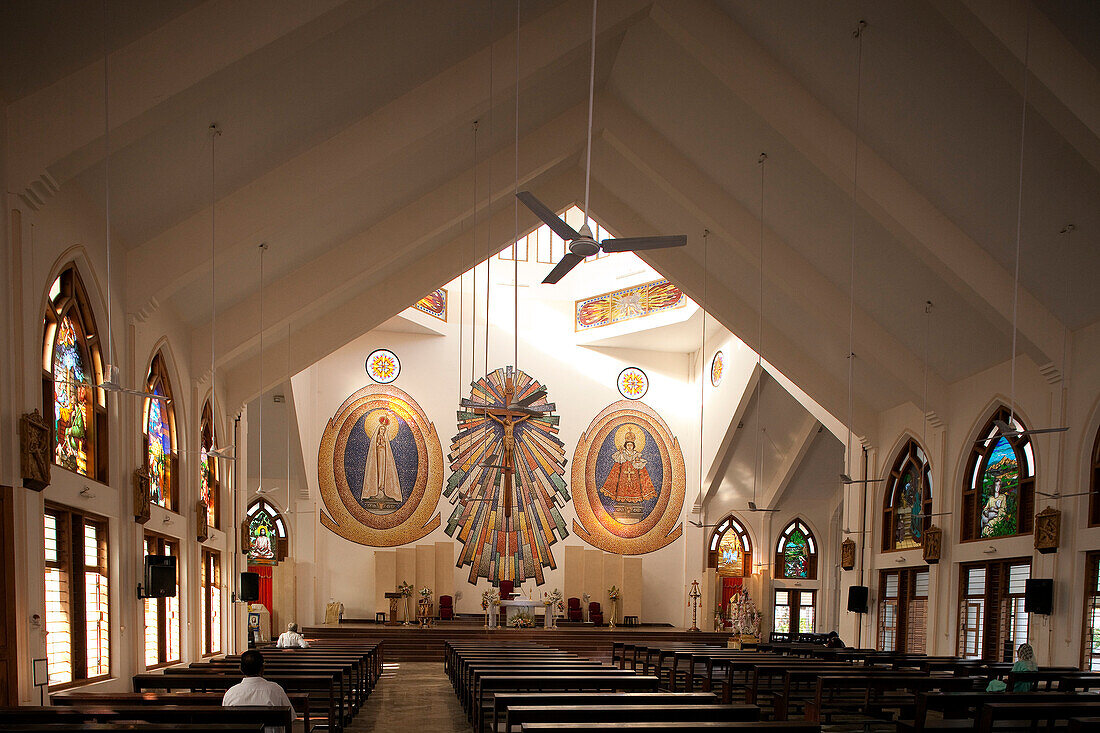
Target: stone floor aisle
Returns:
[[412, 697]]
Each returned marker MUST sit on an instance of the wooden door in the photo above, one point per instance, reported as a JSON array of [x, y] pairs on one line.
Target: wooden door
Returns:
[[8, 688]]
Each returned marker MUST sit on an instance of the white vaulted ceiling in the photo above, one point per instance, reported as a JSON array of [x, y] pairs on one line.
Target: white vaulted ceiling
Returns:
[[348, 147]]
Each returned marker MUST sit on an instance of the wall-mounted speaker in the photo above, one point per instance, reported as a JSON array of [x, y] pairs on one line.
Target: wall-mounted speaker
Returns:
[[250, 587], [160, 576], [857, 598], [1039, 595]]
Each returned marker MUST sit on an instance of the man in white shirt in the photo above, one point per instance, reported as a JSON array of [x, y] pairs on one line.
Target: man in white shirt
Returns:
[[291, 638], [255, 690]]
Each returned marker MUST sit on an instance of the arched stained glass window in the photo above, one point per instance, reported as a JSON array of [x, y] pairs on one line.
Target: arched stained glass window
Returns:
[[161, 460], [730, 549], [998, 499], [72, 370], [907, 507], [796, 553], [263, 534], [209, 478]]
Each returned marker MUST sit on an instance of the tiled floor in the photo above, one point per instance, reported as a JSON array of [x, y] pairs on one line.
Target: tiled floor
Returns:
[[412, 697]]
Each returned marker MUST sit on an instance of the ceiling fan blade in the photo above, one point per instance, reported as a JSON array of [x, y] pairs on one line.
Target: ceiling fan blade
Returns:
[[568, 262], [1063, 496], [848, 480], [226, 452], [548, 217], [635, 244]]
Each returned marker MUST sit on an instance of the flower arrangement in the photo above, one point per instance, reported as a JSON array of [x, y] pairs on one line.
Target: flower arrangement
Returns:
[[522, 620], [553, 598], [744, 615], [426, 593], [405, 589], [613, 593], [490, 597]]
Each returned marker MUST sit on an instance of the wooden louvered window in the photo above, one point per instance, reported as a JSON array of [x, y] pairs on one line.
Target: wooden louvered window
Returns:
[[162, 615], [903, 610], [1094, 497], [211, 602], [1091, 648], [992, 621], [78, 614]]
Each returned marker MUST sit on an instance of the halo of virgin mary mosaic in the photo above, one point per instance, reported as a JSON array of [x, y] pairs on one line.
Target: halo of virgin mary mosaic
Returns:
[[628, 481], [507, 484], [380, 469]]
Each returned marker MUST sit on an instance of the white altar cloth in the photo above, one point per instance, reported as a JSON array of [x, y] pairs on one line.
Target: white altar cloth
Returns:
[[508, 609]]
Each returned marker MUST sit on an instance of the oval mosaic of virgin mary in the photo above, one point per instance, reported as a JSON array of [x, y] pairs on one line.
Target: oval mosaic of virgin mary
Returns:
[[380, 469], [628, 481]]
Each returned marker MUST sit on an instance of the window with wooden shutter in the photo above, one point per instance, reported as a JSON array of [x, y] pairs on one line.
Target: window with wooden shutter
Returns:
[[162, 615], [77, 592], [211, 602], [1090, 659], [992, 620]]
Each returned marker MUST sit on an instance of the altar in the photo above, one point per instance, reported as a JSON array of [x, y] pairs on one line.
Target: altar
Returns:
[[506, 610]]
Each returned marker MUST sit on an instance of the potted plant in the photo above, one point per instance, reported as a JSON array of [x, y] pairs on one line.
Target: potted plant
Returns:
[[406, 592]]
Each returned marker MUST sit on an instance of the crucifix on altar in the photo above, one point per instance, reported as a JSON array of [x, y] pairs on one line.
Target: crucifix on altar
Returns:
[[508, 416]]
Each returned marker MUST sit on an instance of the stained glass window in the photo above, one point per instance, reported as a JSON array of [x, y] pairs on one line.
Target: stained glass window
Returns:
[[265, 534], [907, 504], [208, 466], [796, 553], [999, 498], [72, 368], [1094, 499], [730, 549], [160, 438]]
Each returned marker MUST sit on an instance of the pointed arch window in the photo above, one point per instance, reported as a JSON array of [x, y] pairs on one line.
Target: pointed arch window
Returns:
[[796, 553], [907, 505], [730, 549], [209, 472], [72, 369], [998, 499], [263, 534], [1094, 497], [159, 421]]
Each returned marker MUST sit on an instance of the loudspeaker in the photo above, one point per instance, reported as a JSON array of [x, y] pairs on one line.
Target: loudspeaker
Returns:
[[160, 576], [250, 587], [1039, 595], [857, 598]]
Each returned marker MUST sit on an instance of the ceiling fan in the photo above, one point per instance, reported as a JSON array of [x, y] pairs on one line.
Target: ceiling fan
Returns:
[[582, 244], [1007, 431], [1056, 495], [848, 480], [754, 508]]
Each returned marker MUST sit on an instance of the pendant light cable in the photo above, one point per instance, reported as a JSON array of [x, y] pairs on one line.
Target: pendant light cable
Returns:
[[215, 133], [107, 182], [861, 26], [703, 357], [515, 206], [758, 456], [473, 277], [591, 95], [1019, 215], [489, 196], [260, 427]]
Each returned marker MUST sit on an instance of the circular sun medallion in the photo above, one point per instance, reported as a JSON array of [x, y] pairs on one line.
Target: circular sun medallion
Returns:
[[717, 368], [633, 383], [383, 366]]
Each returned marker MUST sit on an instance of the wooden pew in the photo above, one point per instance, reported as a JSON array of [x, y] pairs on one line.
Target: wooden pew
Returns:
[[81, 699], [1084, 724], [322, 685], [1033, 713], [517, 715], [348, 674], [628, 682], [184, 714], [473, 696], [872, 695], [468, 683], [501, 701], [135, 727], [785, 726], [964, 706]]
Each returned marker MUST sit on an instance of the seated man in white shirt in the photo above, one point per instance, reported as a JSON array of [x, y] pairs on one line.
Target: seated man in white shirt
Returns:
[[255, 690], [291, 638]]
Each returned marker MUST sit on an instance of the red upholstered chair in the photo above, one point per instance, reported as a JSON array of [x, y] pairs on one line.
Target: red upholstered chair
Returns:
[[506, 589], [595, 613], [575, 609], [446, 608]]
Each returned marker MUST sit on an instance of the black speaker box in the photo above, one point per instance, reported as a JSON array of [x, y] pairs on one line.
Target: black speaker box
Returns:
[[1039, 595], [160, 576], [857, 598], [250, 587]]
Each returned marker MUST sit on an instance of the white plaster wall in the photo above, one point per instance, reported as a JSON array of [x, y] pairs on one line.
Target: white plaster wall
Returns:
[[581, 382]]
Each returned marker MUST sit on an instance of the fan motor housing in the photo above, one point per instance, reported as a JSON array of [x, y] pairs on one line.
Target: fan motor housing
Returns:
[[584, 247]]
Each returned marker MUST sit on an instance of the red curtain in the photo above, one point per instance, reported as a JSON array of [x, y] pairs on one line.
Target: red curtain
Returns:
[[729, 587], [264, 571]]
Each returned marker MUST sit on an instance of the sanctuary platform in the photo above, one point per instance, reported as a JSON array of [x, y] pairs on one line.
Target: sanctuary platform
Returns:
[[413, 644]]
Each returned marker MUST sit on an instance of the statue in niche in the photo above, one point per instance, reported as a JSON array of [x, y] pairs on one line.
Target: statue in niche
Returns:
[[34, 451], [141, 496]]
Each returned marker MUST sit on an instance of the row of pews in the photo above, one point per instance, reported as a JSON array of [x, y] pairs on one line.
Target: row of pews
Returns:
[[524, 687], [327, 684], [912, 692]]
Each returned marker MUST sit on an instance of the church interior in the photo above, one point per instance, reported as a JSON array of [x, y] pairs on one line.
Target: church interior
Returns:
[[450, 328]]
